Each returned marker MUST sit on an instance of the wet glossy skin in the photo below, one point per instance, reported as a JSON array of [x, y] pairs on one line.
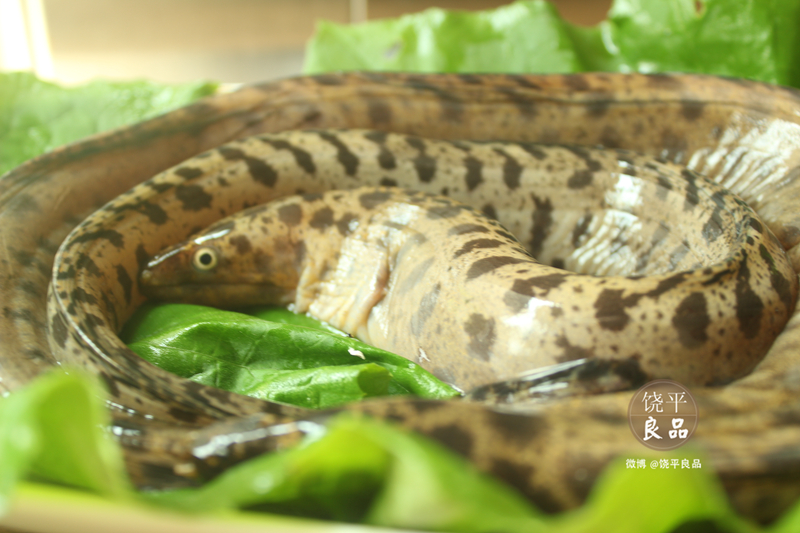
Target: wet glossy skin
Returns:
[[741, 134], [707, 289]]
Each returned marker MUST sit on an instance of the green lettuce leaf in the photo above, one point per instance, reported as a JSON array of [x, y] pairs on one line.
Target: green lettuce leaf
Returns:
[[756, 39], [366, 471], [284, 362], [51, 430], [37, 116], [358, 470]]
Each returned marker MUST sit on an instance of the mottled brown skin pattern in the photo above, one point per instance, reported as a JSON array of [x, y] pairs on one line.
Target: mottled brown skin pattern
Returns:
[[739, 133], [446, 287]]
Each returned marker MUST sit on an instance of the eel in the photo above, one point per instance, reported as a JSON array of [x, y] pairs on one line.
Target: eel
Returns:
[[738, 133], [439, 283]]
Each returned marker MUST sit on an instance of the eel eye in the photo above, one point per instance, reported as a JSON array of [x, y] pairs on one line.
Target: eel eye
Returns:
[[205, 259]]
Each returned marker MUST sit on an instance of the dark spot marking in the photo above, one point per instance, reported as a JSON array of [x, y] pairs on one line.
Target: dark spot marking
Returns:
[[451, 106], [536, 150], [663, 187], [489, 264], [666, 285], [444, 211], [386, 158], [522, 290], [610, 306], [154, 212], [524, 105], [517, 475], [91, 323], [523, 81], [112, 236], [242, 244], [470, 79], [301, 157], [290, 214], [477, 244], [58, 329], [585, 155], [127, 283], [371, 200], [713, 280], [692, 191], [691, 111], [328, 79], [691, 320], [474, 176], [779, 282], [463, 229], [453, 437], [193, 197], [343, 224], [259, 170], [482, 336], [489, 211], [424, 164], [597, 108], [610, 138], [32, 289], [519, 431], [379, 111], [307, 197], [749, 307], [142, 257], [576, 82], [664, 81], [343, 154], [183, 415], [629, 370], [512, 170], [712, 229], [572, 352], [580, 179], [580, 229], [322, 218], [188, 173], [506, 235], [542, 223], [388, 182]]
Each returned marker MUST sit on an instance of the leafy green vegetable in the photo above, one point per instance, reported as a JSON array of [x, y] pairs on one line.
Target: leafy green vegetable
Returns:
[[304, 366], [522, 37], [359, 470], [655, 500], [366, 471], [755, 39], [50, 430], [36, 116]]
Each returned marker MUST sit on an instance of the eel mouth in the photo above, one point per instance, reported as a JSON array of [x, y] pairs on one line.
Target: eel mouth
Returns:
[[222, 295]]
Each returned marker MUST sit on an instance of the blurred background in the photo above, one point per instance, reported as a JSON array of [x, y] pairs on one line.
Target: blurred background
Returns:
[[236, 41]]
